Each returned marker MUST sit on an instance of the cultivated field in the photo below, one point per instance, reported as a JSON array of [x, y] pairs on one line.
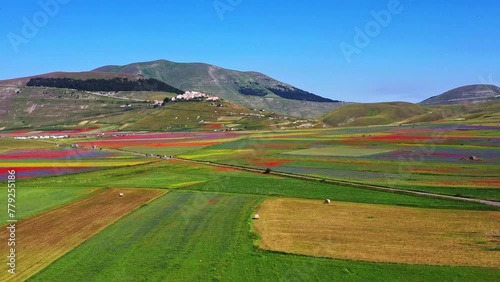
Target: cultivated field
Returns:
[[190, 236], [380, 233], [434, 158], [202, 229], [36, 200], [43, 238]]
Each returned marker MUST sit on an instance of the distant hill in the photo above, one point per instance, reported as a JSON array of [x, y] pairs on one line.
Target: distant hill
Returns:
[[251, 89], [57, 108], [465, 94], [395, 113], [372, 114]]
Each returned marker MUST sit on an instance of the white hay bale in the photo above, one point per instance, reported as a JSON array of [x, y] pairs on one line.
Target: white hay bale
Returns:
[[327, 201], [121, 195], [256, 216]]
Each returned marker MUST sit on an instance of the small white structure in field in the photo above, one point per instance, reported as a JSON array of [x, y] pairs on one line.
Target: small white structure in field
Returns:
[[121, 195], [256, 217], [327, 201]]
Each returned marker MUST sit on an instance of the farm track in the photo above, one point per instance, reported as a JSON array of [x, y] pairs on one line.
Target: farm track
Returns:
[[43, 238], [347, 183], [331, 181]]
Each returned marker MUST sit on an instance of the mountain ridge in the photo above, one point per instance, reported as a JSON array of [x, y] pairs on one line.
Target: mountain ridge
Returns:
[[249, 88], [465, 94], [216, 80]]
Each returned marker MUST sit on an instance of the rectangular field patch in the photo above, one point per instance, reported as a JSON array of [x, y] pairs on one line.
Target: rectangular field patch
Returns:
[[339, 151], [380, 233]]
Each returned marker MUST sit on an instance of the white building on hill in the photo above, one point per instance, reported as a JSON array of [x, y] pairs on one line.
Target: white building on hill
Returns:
[[194, 95]]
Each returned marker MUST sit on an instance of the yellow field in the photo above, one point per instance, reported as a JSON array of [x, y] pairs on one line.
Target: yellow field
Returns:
[[380, 233], [215, 152], [43, 238], [229, 118]]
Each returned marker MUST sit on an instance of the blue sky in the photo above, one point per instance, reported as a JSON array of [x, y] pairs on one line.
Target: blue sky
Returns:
[[412, 50]]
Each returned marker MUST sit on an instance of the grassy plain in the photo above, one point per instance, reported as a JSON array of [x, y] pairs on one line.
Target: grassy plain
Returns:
[[433, 158], [200, 177], [206, 237], [34, 200], [43, 238], [201, 230]]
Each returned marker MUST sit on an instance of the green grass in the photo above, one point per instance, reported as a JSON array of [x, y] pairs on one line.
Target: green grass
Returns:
[[158, 179], [152, 175], [7, 144], [286, 187], [165, 174], [207, 237], [33, 200], [487, 193]]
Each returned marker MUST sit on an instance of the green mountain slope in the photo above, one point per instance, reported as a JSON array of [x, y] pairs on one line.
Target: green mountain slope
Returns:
[[408, 113], [465, 94], [251, 89], [61, 108], [372, 114], [204, 116]]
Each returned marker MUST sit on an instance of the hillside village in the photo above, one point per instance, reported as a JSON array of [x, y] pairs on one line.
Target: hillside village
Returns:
[[194, 96]]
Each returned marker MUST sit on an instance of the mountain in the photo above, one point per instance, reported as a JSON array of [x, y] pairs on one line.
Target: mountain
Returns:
[[465, 94], [251, 89], [372, 114], [22, 106], [396, 113], [70, 101]]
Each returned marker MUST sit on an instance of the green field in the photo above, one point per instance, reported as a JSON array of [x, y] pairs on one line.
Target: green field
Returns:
[[198, 177], [34, 200], [202, 229], [207, 237], [431, 157]]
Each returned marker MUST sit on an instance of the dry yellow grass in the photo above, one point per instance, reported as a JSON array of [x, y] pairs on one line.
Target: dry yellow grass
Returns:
[[43, 238], [380, 233]]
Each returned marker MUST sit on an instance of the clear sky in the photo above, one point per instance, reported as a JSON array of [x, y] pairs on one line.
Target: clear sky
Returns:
[[352, 50]]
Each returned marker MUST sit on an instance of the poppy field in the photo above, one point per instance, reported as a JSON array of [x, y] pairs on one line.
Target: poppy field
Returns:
[[455, 160], [192, 196]]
